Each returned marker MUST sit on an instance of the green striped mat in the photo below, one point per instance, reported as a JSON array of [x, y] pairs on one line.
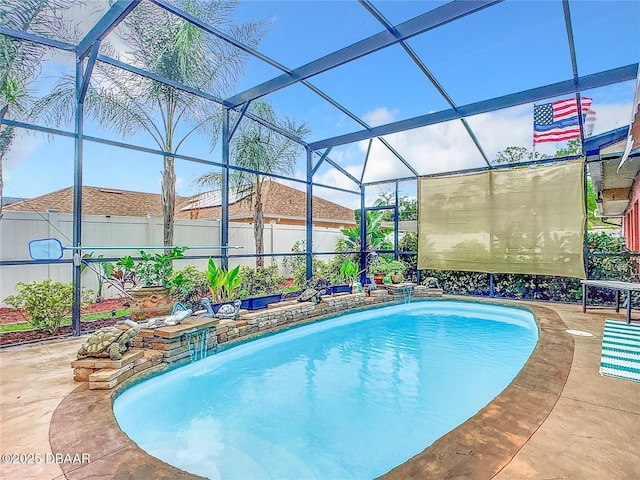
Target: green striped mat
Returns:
[[621, 350]]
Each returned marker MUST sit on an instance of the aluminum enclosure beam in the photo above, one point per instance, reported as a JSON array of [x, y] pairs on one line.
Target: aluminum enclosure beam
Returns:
[[427, 73], [86, 77], [587, 82], [224, 191], [238, 120], [322, 157], [572, 46], [309, 223], [415, 26], [30, 37], [223, 36], [194, 91], [105, 25], [77, 199], [128, 146], [343, 171], [117, 63]]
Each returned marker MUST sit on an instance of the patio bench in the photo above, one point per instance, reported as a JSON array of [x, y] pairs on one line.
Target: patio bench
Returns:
[[616, 285]]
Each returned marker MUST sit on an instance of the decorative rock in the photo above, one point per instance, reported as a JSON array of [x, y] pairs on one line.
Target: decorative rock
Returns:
[[81, 374], [378, 293]]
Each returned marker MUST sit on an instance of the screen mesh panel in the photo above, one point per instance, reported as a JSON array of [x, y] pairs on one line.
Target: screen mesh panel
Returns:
[[524, 220]]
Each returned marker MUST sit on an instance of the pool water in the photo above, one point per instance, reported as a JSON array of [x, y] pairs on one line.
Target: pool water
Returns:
[[346, 398]]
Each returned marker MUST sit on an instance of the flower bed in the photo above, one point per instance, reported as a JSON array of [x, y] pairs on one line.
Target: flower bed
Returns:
[[10, 315]]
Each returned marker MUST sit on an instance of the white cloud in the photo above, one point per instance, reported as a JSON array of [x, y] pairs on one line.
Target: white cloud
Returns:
[[23, 145], [611, 116], [445, 147], [380, 116], [448, 147]]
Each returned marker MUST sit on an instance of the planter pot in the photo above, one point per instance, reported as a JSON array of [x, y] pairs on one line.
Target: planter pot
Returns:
[[149, 302], [396, 278], [377, 277], [256, 303], [339, 289]]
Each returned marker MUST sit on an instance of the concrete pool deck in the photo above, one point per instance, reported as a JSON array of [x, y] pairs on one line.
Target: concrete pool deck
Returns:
[[574, 425]]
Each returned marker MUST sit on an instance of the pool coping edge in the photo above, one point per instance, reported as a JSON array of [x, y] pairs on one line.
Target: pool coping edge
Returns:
[[479, 448]]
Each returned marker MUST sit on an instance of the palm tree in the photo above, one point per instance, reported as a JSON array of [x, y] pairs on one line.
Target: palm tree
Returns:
[[21, 61], [264, 151], [164, 44]]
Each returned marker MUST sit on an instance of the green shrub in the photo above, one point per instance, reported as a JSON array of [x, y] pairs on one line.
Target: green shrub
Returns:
[[293, 262], [409, 243], [192, 288], [262, 281], [322, 275], [46, 303], [460, 283], [153, 270], [541, 287]]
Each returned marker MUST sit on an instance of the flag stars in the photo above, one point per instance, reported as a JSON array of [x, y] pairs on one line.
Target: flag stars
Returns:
[[543, 114]]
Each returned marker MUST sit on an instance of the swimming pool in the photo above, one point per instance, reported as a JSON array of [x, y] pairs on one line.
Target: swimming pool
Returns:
[[349, 397]]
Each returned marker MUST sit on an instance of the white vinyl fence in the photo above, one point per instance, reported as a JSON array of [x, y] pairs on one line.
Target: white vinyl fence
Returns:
[[18, 228]]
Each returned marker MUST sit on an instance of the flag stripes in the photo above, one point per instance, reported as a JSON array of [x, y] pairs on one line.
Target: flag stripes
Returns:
[[558, 121]]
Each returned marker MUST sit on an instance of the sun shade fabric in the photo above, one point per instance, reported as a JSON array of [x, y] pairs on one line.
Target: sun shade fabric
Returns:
[[524, 220]]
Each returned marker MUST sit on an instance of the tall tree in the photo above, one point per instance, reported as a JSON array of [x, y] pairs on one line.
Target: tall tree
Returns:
[[21, 61], [573, 147], [164, 44], [264, 151]]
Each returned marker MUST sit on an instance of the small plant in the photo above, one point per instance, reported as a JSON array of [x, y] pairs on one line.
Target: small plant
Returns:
[[294, 262], [123, 279], [389, 266], [189, 286], [261, 281], [153, 270], [222, 283], [103, 272], [46, 303], [349, 271]]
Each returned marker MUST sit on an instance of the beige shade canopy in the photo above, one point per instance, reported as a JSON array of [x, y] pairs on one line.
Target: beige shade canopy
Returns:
[[523, 220]]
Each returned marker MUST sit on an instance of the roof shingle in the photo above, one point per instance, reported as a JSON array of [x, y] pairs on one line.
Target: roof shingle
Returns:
[[280, 202]]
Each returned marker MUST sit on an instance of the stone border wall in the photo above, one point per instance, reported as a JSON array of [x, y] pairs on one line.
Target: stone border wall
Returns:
[[168, 344]]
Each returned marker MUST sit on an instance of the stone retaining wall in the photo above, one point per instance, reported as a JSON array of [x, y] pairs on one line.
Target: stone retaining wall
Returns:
[[168, 344]]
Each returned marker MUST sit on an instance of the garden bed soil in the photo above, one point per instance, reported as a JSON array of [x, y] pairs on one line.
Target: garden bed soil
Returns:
[[10, 315], [12, 338]]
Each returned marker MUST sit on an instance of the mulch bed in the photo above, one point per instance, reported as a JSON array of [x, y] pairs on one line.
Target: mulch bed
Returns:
[[9, 315]]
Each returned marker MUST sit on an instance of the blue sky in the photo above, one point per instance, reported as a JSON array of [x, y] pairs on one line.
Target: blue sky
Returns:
[[510, 47]]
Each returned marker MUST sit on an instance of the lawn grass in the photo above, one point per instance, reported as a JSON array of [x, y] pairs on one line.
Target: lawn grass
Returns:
[[89, 317]]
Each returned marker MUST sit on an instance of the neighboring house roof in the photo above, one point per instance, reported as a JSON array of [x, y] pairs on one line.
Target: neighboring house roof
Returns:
[[10, 200], [97, 201], [280, 203]]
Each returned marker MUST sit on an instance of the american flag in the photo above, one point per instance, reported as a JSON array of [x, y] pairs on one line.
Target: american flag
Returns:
[[558, 121]]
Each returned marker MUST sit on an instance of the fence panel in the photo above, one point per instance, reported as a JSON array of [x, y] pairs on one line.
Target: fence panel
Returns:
[[18, 228]]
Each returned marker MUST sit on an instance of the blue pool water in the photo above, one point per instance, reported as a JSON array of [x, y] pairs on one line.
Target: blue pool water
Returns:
[[346, 398]]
